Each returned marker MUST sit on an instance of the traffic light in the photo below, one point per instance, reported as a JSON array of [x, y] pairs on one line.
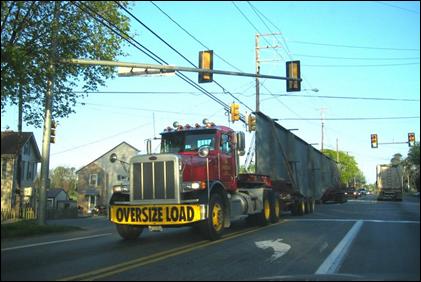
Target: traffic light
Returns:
[[206, 62], [251, 122], [235, 112], [374, 141], [293, 71], [411, 139], [53, 132]]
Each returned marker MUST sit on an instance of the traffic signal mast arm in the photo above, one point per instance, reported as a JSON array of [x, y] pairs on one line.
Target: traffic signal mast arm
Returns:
[[168, 68]]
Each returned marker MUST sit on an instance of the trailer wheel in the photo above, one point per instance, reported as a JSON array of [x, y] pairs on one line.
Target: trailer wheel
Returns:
[[264, 217], [213, 227], [129, 232]]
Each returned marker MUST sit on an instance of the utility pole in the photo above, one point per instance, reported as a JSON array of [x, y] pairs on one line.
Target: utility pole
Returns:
[[258, 61], [337, 150], [322, 110], [45, 160], [257, 74]]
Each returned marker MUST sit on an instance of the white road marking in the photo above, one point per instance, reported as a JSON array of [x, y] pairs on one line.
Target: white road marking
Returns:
[[54, 242], [279, 248], [333, 262]]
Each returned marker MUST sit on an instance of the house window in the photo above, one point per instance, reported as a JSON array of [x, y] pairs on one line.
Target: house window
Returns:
[[121, 177], [93, 179]]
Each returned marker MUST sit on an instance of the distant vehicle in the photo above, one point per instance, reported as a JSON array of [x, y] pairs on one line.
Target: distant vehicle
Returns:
[[363, 191], [389, 182], [352, 193]]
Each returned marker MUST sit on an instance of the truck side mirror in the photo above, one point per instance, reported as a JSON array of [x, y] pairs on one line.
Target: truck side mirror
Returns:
[[241, 142]]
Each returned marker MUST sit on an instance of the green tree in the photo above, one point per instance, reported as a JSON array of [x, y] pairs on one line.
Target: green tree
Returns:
[[64, 177], [412, 167], [348, 167], [25, 52]]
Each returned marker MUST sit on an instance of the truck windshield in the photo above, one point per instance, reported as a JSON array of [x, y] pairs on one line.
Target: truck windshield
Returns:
[[187, 141]]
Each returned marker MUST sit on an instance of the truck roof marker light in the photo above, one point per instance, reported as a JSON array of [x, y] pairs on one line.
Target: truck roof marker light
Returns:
[[197, 125], [187, 126], [180, 127]]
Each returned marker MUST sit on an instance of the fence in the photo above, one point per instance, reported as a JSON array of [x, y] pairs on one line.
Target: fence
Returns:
[[15, 214]]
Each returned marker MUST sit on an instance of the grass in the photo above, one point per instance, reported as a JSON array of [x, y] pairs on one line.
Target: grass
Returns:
[[27, 228]]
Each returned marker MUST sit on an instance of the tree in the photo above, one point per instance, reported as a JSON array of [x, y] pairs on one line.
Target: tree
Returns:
[[348, 167], [412, 167], [25, 52], [64, 177]]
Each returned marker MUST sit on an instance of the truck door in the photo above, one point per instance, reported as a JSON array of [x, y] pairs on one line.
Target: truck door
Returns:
[[227, 162]]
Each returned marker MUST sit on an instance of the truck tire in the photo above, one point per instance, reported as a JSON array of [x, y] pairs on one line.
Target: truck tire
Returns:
[[276, 210], [301, 207], [129, 232], [264, 217], [213, 227], [312, 205]]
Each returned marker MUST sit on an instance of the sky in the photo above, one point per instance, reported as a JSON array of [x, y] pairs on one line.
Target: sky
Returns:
[[366, 51]]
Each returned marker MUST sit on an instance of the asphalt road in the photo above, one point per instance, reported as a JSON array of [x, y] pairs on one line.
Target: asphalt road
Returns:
[[359, 240]]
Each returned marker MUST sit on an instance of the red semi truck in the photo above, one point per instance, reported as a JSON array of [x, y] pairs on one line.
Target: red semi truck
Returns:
[[195, 180]]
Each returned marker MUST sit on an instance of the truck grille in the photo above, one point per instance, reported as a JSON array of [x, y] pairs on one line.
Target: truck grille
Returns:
[[156, 179]]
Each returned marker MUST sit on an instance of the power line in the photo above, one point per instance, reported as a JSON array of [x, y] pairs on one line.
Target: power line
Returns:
[[192, 36], [175, 50], [274, 95], [356, 58], [359, 66], [397, 7], [352, 118], [352, 46], [148, 52]]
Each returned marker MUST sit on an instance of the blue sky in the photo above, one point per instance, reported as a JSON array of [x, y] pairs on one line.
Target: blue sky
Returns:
[[352, 49]]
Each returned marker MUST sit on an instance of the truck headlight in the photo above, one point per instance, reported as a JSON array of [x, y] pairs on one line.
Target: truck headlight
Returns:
[[194, 186]]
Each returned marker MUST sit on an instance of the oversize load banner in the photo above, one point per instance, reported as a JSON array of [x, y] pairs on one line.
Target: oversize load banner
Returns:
[[155, 214]]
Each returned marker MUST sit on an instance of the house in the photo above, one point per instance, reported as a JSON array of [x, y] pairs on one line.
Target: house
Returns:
[[19, 160], [96, 180], [55, 197]]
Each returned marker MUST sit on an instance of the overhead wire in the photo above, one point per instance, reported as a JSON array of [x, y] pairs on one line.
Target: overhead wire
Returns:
[[148, 52], [175, 50]]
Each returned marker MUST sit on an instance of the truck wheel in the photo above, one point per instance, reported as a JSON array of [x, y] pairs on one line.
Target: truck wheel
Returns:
[[213, 227], [301, 207], [129, 232], [264, 217], [276, 210]]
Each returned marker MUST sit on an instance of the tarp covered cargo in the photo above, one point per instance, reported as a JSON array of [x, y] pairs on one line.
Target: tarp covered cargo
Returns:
[[293, 165]]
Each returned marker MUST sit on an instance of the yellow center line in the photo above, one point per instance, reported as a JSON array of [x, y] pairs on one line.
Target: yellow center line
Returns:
[[125, 266]]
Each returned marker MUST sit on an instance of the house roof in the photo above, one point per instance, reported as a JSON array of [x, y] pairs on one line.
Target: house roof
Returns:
[[52, 193], [124, 142], [12, 142]]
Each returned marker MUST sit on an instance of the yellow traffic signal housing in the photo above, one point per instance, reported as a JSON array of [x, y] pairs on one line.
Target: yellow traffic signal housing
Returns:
[[206, 62], [411, 139], [235, 112], [251, 122], [53, 132], [374, 141], [293, 71]]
